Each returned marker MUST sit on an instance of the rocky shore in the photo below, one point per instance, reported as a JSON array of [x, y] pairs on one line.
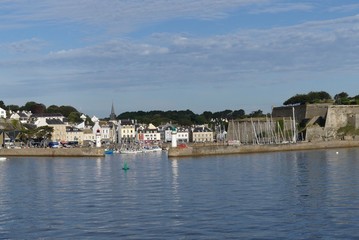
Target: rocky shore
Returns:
[[52, 152], [203, 150]]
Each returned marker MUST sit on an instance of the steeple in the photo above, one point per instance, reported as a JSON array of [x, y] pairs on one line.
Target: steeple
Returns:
[[112, 115]]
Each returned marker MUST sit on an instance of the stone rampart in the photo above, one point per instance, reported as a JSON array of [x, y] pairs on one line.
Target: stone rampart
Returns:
[[339, 115], [314, 110], [287, 111], [302, 112]]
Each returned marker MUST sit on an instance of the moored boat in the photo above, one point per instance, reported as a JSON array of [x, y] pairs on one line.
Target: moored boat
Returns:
[[3, 158], [108, 151], [152, 149], [130, 151]]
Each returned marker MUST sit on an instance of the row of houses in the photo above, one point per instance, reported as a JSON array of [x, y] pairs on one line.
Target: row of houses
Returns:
[[110, 132]]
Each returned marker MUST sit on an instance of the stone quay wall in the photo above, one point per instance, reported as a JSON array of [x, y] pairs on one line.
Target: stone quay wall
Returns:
[[52, 152], [197, 151]]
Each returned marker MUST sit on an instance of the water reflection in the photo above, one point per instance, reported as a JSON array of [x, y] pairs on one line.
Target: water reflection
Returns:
[[290, 195], [174, 165]]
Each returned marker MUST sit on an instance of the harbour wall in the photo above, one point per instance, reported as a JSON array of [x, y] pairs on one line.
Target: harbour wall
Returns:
[[53, 152], [196, 151]]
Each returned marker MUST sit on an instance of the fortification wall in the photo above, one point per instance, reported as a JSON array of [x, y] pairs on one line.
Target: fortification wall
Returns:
[[314, 133], [302, 112], [313, 110], [340, 115], [287, 111], [353, 120]]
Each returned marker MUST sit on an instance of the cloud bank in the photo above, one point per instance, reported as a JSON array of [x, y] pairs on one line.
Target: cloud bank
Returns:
[[118, 64]]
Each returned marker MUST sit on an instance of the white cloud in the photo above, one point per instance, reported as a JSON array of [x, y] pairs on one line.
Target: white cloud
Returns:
[[283, 7], [246, 58], [320, 46], [23, 46], [344, 8], [116, 15]]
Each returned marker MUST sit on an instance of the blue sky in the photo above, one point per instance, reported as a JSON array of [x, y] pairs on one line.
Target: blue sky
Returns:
[[203, 55]]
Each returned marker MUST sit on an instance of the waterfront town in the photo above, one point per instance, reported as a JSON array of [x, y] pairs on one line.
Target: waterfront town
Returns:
[[320, 122], [112, 133]]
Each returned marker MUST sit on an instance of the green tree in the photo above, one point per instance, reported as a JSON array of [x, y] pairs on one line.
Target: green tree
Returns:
[[238, 114], [13, 108], [34, 107], [207, 115], [311, 97], [317, 97], [341, 98], [67, 110], [74, 117], [258, 113], [44, 132], [2, 105], [297, 99], [29, 105], [53, 109]]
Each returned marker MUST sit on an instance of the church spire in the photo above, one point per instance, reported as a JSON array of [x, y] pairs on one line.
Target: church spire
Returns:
[[112, 115]]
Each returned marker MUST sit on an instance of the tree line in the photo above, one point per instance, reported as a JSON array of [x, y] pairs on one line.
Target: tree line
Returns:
[[70, 112], [342, 98], [185, 117], [156, 117]]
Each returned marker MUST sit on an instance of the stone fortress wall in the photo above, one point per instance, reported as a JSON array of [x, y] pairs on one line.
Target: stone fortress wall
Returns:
[[301, 112], [335, 116], [342, 115], [321, 121]]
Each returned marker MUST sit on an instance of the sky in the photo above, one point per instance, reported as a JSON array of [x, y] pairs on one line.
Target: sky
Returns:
[[203, 55]]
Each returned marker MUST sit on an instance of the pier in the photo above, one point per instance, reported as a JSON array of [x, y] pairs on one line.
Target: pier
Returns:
[[205, 150]]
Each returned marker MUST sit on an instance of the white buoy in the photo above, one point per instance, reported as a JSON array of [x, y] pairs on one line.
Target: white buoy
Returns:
[[337, 152]]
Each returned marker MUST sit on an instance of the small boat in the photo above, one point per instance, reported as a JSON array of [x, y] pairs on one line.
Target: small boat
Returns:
[[152, 149], [130, 151], [3, 158], [108, 151]]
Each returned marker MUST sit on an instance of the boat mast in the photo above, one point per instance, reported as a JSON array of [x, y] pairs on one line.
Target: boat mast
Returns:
[[294, 128]]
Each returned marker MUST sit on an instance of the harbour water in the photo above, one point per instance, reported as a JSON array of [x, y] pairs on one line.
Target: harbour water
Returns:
[[282, 195]]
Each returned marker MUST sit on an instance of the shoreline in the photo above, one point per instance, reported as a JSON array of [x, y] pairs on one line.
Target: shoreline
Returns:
[[198, 151], [52, 152], [192, 150]]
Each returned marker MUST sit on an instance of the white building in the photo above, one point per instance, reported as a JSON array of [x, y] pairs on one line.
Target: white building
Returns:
[[182, 135], [2, 113], [126, 131], [166, 133], [105, 131], [40, 119], [74, 134], [22, 116], [202, 134], [149, 134], [89, 137]]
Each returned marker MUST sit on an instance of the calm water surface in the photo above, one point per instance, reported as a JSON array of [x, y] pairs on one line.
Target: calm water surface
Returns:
[[290, 195]]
